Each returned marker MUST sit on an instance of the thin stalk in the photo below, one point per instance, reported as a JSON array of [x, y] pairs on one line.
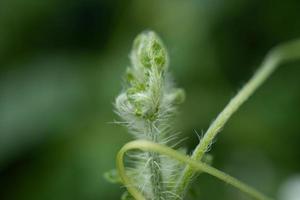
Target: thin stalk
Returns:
[[154, 167], [286, 52], [195, 166]]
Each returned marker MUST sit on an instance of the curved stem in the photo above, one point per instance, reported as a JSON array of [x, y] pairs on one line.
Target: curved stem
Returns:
[[286, 52], [195, 166]]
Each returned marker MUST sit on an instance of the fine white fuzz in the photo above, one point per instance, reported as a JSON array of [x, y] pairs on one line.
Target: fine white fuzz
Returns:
[[146, 105]]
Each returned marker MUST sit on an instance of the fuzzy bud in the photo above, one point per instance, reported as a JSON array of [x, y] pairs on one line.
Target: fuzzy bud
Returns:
[[148, 51], [146, 96]]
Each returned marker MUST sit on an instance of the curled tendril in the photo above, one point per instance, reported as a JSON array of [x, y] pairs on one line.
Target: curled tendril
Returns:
[[195, 166]]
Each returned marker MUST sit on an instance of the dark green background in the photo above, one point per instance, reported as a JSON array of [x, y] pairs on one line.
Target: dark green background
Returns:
[[61, 66]]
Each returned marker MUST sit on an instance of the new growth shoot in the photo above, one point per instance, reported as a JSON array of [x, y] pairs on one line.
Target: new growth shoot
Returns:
[[146, 106]]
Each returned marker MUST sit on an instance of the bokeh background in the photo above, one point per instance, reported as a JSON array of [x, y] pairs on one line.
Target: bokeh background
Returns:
[[61, 67]]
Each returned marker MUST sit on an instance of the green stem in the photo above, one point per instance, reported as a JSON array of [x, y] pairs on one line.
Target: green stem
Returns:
[[286, 52], [195, 166], [154, 166]]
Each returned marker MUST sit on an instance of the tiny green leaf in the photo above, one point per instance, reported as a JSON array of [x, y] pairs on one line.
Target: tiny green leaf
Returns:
[[112, 176]]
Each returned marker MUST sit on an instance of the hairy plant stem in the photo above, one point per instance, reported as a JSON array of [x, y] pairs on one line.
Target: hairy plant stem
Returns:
[[154, 166], [286, 52], [195, 166]]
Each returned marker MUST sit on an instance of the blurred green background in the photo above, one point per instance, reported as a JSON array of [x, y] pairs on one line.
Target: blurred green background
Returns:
[[61, 67]]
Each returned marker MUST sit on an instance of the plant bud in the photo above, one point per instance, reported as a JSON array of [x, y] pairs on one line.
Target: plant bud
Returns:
[[148, 51]]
